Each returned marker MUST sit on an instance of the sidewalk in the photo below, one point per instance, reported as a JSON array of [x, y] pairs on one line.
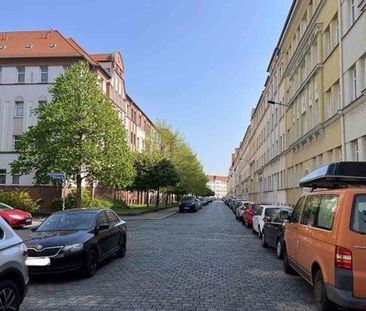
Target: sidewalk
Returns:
[[164, 213]]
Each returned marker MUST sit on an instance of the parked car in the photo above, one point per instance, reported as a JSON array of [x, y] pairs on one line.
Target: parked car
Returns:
[[13, 271], [189, 204], [273, 230], [249, 214], [237, 204], [240, 209], [76, 239], [14, 217], [261, 215], [325, 238]]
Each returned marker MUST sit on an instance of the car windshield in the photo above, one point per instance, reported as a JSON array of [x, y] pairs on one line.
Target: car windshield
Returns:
[[5, 207], [68, 222], [269, 211], [187, 199]]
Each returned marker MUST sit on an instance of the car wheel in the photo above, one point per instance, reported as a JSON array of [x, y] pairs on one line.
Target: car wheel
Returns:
[[279, 249], [246, 224], [286, 265], [320, 294], [90, 264], [9, 296], [263, 239], [122, 249], [259, 232], [253, 231]]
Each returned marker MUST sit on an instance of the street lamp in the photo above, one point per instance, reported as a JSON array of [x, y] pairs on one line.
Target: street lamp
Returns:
[[275, 103]]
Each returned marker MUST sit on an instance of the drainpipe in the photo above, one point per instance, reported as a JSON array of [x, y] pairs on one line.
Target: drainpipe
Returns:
[[341, 82]]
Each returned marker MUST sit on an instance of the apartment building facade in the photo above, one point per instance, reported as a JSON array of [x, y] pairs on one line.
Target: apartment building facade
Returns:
[[30, 62], [309, 113], [218, 184]]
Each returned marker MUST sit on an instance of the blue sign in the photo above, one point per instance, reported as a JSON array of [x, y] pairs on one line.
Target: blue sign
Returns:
[[57, 175]]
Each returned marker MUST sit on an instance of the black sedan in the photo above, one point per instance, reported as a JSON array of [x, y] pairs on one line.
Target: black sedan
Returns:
[[189, 204], [76, 239], [273, 231]]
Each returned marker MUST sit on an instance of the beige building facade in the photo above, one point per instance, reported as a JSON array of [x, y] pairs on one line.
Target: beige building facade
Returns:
[[309, 113]]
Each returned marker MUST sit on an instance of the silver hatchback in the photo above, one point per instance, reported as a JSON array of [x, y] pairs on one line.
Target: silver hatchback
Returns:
[[13, 271]]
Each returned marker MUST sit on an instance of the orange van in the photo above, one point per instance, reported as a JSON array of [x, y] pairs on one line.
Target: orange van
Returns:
[[325, 237]]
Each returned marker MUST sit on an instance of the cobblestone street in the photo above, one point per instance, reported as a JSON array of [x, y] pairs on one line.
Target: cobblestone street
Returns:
[[201, 261]]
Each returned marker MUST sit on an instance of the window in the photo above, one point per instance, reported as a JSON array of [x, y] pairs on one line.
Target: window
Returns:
[[358, 220], [326, 212], [336, 96], [353, 83], [16, 141], [355, 150], [310, 210], [102, 219], [335, 31], [2, 177], [112, 218], [21, 74], [328, 104], [19, 109], [15, 179], [297, 210], [352, 12], [327, 46], [44, 74]]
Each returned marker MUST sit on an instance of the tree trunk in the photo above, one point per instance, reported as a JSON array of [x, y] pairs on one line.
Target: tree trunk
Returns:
[[78, 191], [147, 198], [166, 199], [158, 198]]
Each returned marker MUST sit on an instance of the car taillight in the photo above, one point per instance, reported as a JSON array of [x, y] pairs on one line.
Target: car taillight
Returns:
[[343, 258], [25, 251]]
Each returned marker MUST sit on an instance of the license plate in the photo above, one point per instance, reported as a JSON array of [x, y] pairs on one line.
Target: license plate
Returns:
[[28, 220], [187, 207], [37, 261]]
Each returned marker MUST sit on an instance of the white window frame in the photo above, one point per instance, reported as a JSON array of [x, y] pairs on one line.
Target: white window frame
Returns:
[[19, 113], [15, 179], [352, 12], [44, 74], [354, 83], [21, 73], [3, 175]]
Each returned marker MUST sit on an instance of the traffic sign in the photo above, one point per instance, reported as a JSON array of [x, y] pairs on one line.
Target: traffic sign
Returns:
[[57, 175]]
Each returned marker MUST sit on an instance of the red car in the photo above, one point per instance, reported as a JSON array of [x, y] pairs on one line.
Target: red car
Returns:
[[249, 213], [15, 217]]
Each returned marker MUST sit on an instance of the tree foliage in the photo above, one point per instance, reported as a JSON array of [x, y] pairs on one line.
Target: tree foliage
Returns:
[[170, 145], [78, 133]]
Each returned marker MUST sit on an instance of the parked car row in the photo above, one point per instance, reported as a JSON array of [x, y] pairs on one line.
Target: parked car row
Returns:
[[72, 240], [193, 204], [323, 239]]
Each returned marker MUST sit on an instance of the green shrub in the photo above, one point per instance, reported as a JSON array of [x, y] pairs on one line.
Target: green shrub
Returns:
[[70, 201], [19, 200], [56, 204]]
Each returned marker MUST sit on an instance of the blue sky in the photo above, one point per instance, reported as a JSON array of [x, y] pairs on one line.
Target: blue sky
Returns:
[[200, 65]]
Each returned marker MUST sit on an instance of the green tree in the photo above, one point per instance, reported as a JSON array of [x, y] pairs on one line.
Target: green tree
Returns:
[[153, 173], [163, 174], [78, 133], [170, 145]]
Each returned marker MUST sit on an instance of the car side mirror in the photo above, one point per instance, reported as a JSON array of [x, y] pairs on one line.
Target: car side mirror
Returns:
[[266, 219], [103, 226]]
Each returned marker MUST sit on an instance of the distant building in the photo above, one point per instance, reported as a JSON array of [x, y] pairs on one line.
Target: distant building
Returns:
[[217, 184]]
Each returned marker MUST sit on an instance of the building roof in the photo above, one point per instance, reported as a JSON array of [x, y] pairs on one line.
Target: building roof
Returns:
[[104, 57], [219, 178], [27, 44]]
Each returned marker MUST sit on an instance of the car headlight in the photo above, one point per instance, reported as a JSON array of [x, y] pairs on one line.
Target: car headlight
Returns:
[[73, 248]]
